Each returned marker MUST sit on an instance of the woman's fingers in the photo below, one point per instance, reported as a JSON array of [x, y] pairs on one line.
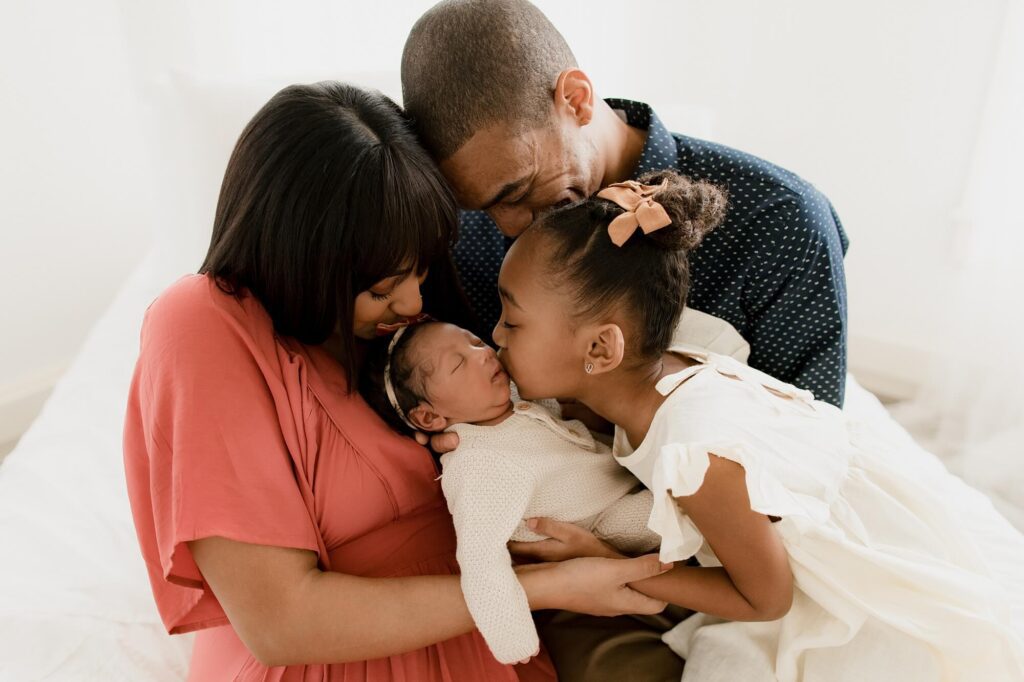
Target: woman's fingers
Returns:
[[601, 586], [635, 602], [641, 567]]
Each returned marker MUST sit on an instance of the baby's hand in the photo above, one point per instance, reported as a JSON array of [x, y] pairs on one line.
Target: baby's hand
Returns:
[[566, 541], [438, 442]]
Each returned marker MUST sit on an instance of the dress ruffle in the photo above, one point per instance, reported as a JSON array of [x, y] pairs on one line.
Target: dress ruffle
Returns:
[[680, 472]]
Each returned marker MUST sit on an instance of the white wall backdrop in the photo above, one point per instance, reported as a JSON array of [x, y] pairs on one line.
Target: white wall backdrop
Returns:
[[877, 103]]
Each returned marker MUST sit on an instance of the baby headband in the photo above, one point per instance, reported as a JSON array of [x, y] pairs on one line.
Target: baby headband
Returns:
[[641, 210], [389, 386]]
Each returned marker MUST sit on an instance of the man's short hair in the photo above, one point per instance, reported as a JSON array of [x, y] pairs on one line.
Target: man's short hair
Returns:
[[468, 64]]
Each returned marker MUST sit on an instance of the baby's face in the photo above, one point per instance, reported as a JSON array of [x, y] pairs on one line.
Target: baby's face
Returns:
[[463, 379]]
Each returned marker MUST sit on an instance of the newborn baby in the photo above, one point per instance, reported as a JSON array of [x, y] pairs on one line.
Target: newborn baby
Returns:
[[516, 460]]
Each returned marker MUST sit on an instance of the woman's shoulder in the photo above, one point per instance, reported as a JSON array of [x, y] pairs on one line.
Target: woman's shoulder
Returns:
[[197, 310], [195, 300]]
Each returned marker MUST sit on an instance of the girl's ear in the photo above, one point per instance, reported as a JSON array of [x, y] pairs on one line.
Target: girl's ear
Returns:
[[426, 419], [605, 349]]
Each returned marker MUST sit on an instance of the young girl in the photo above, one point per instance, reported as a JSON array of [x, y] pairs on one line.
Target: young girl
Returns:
[[515, 460], [828, 549]]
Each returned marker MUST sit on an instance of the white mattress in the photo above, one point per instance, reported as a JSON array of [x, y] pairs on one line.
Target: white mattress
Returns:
[[74, 597]]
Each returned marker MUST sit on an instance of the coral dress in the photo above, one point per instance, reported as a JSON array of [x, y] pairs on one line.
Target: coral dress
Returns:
[[902, 571], [233, 431]]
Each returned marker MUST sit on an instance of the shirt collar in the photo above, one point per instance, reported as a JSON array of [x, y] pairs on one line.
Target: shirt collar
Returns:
[[640, 115]]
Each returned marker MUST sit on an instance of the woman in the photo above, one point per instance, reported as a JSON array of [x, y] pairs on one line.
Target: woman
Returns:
[[276, 512]]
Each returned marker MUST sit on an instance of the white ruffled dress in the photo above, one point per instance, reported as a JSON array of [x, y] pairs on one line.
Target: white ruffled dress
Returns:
[[902, 571]]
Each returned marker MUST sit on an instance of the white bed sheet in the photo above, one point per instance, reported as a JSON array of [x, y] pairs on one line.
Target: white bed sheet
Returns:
[[74, 597]]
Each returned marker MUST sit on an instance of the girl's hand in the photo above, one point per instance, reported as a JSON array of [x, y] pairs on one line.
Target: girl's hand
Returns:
[[565, 541], [592, 585]]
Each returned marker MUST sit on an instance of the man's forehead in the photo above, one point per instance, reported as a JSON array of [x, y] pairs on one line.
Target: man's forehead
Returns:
[[491, 159]]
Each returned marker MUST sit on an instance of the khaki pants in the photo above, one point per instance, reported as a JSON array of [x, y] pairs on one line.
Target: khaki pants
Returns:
[[621, 649]]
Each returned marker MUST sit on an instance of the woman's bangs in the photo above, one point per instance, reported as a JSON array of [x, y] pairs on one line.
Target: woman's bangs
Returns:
[[412, 223]]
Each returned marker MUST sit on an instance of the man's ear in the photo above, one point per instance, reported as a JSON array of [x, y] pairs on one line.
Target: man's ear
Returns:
[[426, 419], [606, 346], [574, 95]]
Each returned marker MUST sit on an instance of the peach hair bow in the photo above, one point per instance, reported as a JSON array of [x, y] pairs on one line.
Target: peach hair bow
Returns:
[[641, 209]]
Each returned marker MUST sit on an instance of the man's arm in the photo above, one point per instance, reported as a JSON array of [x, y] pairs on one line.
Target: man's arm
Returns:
[[795, 299]]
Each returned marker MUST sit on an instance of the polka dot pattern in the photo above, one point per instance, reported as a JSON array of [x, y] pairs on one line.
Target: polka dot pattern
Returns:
[[773, 269]]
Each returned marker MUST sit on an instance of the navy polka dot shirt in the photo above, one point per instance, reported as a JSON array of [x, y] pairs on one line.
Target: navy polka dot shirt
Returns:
[[773, 269]]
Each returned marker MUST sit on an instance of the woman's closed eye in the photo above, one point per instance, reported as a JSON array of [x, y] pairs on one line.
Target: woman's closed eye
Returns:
[[382, 295]]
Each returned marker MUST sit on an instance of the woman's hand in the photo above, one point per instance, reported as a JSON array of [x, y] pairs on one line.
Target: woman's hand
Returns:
[[565, 541], [592, 585]]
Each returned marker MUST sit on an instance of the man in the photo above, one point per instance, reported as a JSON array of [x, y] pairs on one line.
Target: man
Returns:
[[497, 98]]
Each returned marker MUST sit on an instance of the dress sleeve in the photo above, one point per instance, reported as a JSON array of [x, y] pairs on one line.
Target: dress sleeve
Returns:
[[796, 298], [679, 472], [205, 452], [487, 496]]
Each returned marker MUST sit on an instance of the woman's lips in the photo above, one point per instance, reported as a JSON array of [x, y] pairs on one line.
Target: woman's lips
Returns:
[[385, 328]]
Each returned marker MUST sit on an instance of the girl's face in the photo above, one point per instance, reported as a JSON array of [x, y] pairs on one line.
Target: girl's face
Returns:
[[541, 351], [388, 301]]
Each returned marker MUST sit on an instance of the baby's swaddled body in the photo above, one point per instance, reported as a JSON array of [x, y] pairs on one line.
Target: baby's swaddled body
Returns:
[[533, 464]]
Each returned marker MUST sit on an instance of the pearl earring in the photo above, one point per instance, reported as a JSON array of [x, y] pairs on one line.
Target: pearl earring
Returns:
[[588, 368]]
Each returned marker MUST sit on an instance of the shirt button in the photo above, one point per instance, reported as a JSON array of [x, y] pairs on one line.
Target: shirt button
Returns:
[[523, 405]]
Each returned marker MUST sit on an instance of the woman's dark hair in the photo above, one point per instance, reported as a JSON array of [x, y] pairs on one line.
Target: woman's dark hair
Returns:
[[407, 378], [327, 192], [649, 275]]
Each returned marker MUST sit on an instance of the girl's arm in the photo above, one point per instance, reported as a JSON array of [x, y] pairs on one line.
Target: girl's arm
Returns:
[[754, 581], [287, 611]]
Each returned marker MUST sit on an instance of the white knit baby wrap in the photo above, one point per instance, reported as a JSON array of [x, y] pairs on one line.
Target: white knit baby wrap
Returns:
[[534, 464]]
